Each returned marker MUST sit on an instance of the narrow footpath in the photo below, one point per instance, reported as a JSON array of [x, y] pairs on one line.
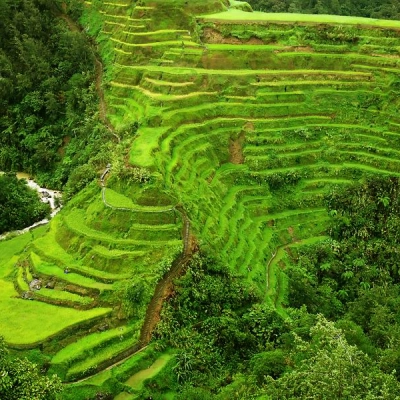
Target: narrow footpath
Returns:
[[165, 286]]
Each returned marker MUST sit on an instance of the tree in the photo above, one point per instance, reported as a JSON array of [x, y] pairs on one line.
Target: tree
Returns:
[[21, 380], [327, 367], [19, 205], [363, 8]]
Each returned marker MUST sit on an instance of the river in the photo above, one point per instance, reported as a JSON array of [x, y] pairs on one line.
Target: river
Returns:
[[47, 196]]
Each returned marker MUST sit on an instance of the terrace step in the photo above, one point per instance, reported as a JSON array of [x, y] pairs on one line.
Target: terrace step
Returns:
[[47, 269], [80, 349], [83, 367]]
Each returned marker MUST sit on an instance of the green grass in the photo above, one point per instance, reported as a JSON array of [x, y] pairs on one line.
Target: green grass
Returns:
[[48, 247], [20, 280], [100, 355], [76, 349], [9, 249], [136, 381], [45, 268], [117, 200], [25, 322], [238, 15], [245, 72], [64, 296], [115, 253], [146, 143], [75, 223], [100, 378]]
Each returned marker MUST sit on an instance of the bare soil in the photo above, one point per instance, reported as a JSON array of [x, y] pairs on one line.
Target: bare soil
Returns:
[[236, 149], [212, 36]]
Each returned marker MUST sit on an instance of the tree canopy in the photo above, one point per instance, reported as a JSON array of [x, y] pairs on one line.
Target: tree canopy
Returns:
[[20, 379], [48, 102], [20, 206], [386, 9]]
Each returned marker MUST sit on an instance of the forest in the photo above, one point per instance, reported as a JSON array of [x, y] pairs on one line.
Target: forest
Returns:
[[231, 201], [385, 9], [19, 205], [337, 339], [49, 119]]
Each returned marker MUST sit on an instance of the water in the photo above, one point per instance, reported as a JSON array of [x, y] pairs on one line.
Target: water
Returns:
[[47, 196]]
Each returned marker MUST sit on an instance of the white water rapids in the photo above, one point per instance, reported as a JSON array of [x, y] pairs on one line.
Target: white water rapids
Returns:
[[47, 196]]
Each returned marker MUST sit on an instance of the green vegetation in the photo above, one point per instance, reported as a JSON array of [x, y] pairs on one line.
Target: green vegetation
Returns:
[[136, 381], [239, 15], [20, 206], [30, 322], [80, 368], [48, 120], [63, 296], [20, 379], [244, 219], [9, 249], [75, 349], [363, 8], [46, 268]]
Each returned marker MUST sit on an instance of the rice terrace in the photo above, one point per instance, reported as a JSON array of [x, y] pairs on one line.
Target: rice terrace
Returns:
[[214, 237]]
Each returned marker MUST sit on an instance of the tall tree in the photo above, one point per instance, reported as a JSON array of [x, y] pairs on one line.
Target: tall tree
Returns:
[[327, 367], [20, 206], [22, 380]]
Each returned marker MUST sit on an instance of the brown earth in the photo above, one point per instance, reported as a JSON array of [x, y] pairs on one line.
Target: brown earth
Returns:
[[213, 36], [236, 149]]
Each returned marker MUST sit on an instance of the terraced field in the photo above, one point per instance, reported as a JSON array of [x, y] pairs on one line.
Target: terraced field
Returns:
[[245, 122], [251, 120], [89, 260]]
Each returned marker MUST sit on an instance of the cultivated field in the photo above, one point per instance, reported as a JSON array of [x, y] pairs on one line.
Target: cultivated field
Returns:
[[245, 121]]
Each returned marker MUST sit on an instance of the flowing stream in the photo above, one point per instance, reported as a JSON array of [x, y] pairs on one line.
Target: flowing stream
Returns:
[[47, 196]]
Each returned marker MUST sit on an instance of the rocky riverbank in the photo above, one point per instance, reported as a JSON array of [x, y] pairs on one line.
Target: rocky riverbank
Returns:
[[51, 197]]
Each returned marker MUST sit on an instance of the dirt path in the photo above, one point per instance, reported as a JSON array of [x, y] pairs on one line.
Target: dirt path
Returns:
[[163, 289], [74, 27], [165, 286]]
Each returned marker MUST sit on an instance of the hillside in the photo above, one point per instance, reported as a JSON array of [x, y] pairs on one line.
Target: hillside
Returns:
[[229, 129]]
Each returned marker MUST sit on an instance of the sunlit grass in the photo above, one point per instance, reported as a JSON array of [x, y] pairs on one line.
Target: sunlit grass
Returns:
[[24, 322], [256, 16], [76, 349]]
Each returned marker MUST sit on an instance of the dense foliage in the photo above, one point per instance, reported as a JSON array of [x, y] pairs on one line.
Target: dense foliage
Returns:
[[48, 103], [20, 379], [208, 319], [20, 206], [387, 9], [354, 275], [231, 344]]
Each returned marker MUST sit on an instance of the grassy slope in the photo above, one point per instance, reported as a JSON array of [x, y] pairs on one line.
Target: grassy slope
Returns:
[[24, 322], [256, 16], [33, 321], [269, 93]]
